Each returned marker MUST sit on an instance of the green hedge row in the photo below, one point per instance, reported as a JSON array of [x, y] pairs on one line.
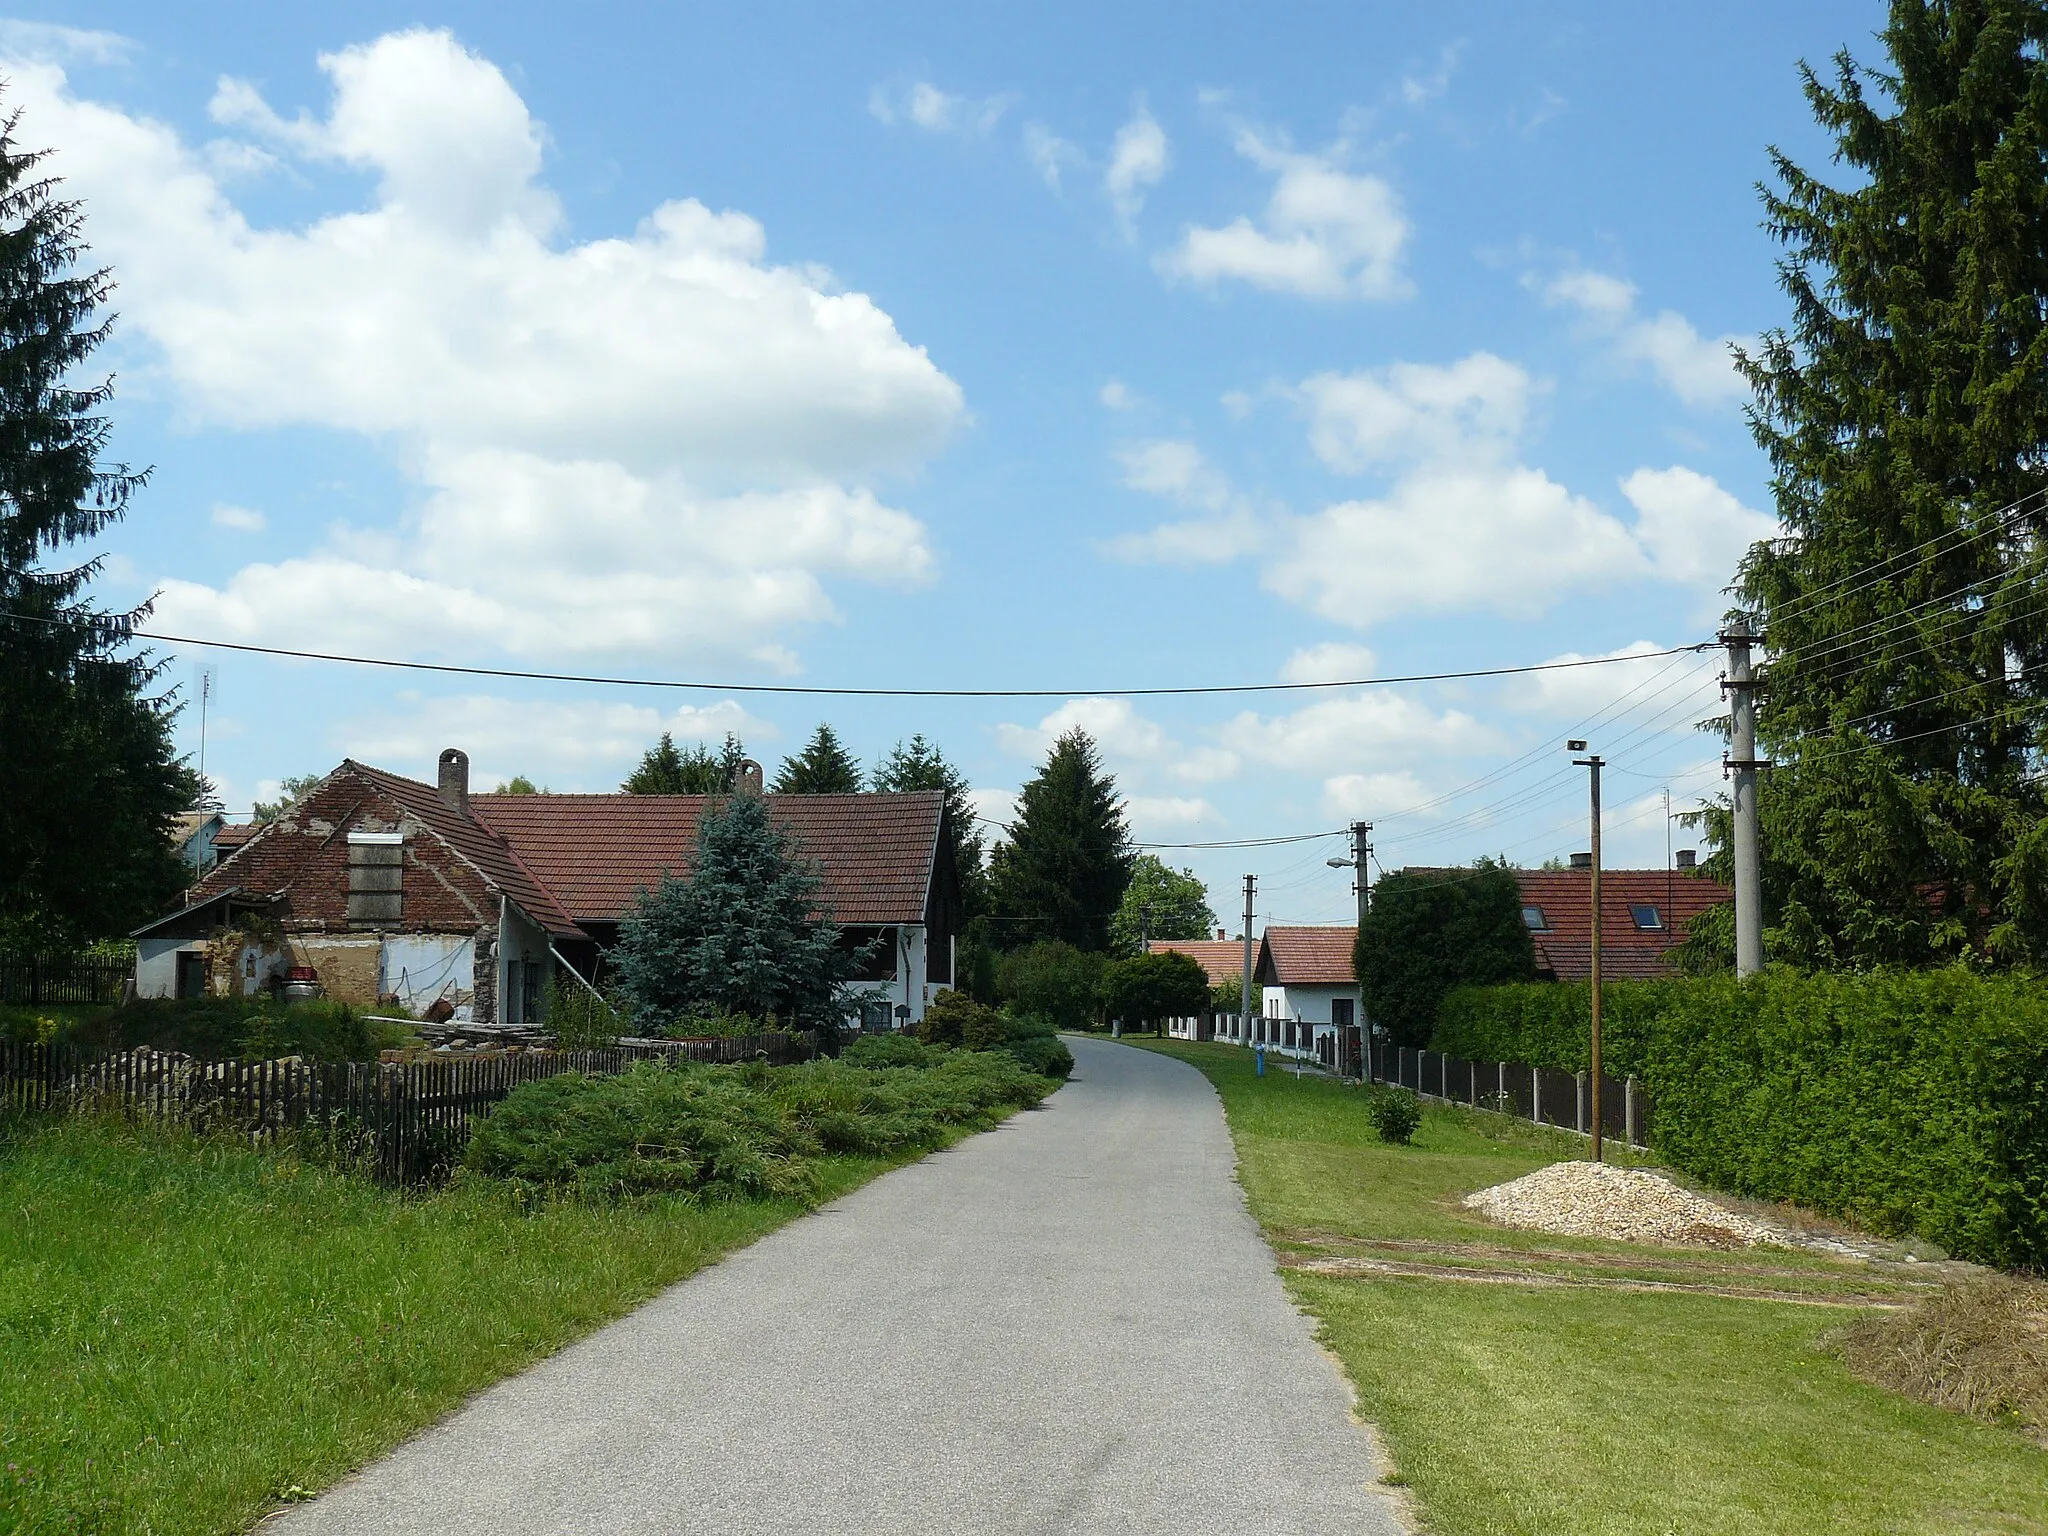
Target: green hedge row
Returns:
[[1906, 1101]]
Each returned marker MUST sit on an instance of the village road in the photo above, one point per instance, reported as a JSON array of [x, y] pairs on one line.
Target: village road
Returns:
[[1069, 1324]]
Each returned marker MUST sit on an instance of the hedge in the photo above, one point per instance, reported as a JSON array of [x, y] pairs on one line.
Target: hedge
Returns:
[[1905, 1101]]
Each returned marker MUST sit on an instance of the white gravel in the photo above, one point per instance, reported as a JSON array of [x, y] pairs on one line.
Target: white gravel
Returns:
[[1627, 1204]]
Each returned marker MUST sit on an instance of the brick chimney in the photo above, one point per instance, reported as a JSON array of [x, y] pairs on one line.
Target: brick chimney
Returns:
[[746, 780], [1582, 861], [1688, 858], [454, 784]]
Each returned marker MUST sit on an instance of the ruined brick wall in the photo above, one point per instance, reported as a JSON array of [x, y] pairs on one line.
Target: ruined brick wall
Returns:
[[304, 854]]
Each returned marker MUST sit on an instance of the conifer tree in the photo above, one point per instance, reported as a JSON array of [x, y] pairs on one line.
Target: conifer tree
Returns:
[[739, 934], [666, 770], [89, 779], [1063, 871], [824, 767], [1905, 412], [917, 764]]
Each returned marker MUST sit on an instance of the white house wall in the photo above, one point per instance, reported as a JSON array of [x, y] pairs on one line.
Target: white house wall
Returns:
[[421, 968], [908, 987], [156, 965], [522, 943]]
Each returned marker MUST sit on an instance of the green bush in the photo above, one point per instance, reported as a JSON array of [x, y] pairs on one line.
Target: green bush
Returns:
[[954, 1018], [890, 1050], [222, 1028], [747, 1132], [1907, 1101], [1047, 1055], [1054, 980], [1395, 1113]]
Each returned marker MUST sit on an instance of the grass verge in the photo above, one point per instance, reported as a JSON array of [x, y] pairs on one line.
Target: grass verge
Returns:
[[192, 1332], [1571, 1404]]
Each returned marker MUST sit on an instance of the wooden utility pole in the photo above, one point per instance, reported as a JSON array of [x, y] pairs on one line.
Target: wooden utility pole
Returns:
[[1593, 764]]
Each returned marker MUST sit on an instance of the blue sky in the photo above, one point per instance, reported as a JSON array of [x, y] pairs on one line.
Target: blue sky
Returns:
[[933, 347]]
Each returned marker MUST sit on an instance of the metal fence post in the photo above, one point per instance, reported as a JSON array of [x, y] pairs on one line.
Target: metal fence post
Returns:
[[1579, 1102], [1630, 1127]]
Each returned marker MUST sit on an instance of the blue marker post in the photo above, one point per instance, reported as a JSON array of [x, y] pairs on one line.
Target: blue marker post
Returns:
[[1258, 1061]]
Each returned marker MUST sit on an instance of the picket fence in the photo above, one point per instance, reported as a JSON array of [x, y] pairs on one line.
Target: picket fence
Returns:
[[408, 1120], [34, 979]]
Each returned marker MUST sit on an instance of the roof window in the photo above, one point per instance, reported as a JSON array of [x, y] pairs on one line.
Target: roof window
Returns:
[[1534, 920], [1647, 917]]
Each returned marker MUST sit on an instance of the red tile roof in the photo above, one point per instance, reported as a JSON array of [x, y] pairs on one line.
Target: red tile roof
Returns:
[[1308, 957], [1564, 945], [1223, 959], [233, 835], [875, 852]]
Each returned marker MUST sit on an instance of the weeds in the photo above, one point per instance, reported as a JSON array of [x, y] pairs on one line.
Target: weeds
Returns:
[[1979, 1347]]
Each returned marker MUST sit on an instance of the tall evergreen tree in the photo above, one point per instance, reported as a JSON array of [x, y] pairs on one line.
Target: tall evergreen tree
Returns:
[[665, 769], [739, 934], [1063, 871], [89, 779], [917, 764], [824, 767], [1905, 410]]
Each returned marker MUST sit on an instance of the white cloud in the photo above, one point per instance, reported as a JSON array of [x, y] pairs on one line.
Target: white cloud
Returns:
[[1119, 396], [1178, 471], [49, 41], [996, 807], [1371, 728], [1698, 369], [1152, 812], [1049, 154], [1361, 796], [240, 519], [1137, 160], [658, 439], [1418, 89], [1471, 409], [925, 106], [1334, 661], [1637, 677], [567, 745], [1693, 530], [1326, 233], [1115, 724]]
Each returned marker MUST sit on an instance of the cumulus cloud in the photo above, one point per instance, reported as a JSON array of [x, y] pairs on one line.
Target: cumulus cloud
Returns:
[[48, 40], [1334, 661], [1229, 524], [1150, 813], [1050, 155], [1473, 408], [1351, 796], [1693, 529], [239, 519], [1637, 677], [1700, 370], [1115, 724], [1326, 233], [1119, 396], [567, 745], [1137, 160], [706, 420], [1372, 727], [924, 105]]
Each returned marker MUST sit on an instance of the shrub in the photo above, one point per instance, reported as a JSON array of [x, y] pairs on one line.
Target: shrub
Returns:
[[240, 1028], [1148, 988], [1907, 1101], [1047, 1055], [891, 1050], [747, 1132], [579, 1019], [954, 1018], [1395, 1113], [1054, 980]]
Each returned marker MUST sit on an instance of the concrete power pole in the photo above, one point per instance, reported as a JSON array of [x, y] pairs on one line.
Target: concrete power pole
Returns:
[[1742, 764], [1593, 764], [1361, 887], [1244, 1001]]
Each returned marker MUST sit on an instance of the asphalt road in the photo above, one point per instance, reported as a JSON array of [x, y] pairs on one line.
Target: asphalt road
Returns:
[[1068, 1324]]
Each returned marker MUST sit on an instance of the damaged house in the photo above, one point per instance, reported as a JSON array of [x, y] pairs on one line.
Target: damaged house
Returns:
[[392, 891]]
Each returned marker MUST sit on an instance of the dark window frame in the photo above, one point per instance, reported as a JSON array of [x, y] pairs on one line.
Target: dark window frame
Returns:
[[1656, 924], [1542, 923]]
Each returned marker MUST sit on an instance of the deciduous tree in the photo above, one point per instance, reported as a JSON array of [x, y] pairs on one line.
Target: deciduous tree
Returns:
[[1160, 903]]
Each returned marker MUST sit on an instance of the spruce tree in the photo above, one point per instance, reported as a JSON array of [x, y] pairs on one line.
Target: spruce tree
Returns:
[[824, 767], [918, 765], [1905, 410], [1063, 871], [666, 770], [89, 779], [739, 935]]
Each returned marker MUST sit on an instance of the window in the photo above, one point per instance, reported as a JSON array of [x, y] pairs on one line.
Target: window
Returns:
[[376, 878], [1342, 1011], [1534, 920], [529, 993], [1647, 917]]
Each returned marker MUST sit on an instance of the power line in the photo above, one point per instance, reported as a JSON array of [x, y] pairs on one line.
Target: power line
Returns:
[[815, 691]]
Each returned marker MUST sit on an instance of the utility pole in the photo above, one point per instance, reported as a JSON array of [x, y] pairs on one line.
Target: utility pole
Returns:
[[1361, 890], [1742, 763], [1594, 764], [1244, 1001]]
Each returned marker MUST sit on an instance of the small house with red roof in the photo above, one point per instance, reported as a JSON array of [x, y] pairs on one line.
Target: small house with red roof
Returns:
[[1311, 989], [1644, 915], [393, 890], [1222, 957]]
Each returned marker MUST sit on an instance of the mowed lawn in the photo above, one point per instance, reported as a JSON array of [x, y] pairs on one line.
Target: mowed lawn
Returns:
[[1596, 1410], [192, 1332]]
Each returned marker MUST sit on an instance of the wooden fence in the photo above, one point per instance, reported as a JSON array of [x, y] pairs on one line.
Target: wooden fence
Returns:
[[56, 978], [408, 1119]]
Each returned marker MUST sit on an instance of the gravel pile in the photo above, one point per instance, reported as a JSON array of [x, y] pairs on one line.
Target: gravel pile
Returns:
[[1628, 1204]]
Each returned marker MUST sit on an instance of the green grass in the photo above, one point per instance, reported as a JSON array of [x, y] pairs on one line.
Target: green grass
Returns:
[[1518, 1411], [191, 1331]]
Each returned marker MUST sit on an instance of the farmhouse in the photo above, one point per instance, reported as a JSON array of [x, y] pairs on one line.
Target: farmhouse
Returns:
[[1311, 990], [389, 890]]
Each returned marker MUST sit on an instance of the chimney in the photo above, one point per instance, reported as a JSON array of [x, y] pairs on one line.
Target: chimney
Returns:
[[1582, 861], [746, 779], [1222, 934], [1688, 858], [454, 784]]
